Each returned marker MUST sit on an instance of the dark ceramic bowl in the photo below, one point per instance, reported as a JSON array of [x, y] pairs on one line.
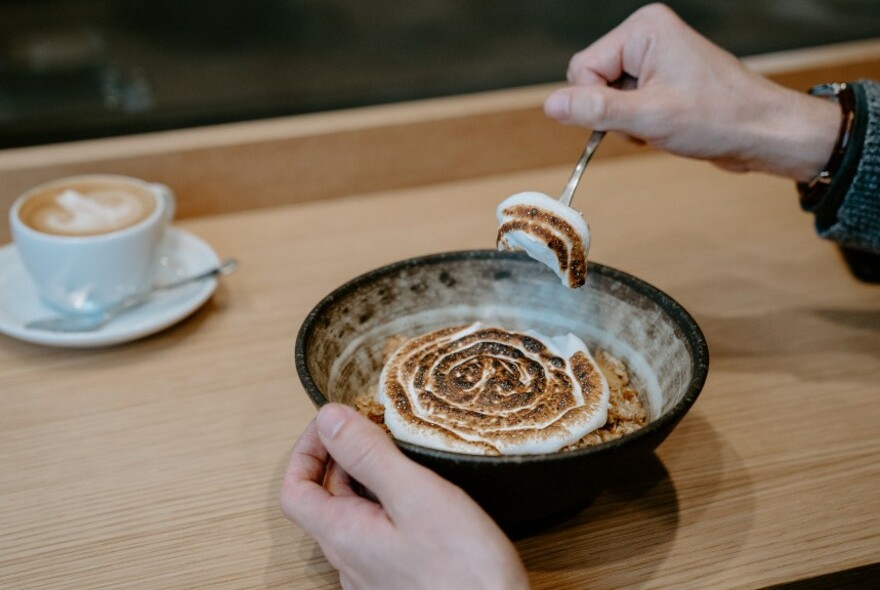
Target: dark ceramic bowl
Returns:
[[339, 354]]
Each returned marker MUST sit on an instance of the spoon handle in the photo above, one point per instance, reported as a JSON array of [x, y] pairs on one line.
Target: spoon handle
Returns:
[[88, 323], [625, 82], [592, 144], [226, 267]]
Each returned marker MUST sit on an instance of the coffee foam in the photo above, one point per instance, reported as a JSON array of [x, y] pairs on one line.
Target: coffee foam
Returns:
[[552, 233], [487, 390], [101, 210]]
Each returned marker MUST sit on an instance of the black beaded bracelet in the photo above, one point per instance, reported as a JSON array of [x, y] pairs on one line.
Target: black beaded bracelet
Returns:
[[813, 191]]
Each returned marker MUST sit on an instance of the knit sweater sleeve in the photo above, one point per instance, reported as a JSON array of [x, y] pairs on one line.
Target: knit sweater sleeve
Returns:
[[857, 223]]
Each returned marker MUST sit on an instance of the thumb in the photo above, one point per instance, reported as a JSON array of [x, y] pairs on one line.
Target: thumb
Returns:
[[600, 107], [367, 453]]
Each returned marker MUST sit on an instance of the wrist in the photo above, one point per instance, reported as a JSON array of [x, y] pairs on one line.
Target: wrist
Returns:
[[815, 191], [796, 135], [825, 194]]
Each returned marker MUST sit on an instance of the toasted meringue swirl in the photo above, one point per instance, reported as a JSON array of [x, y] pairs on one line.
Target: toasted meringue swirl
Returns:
[[548, 231], [487, 390]]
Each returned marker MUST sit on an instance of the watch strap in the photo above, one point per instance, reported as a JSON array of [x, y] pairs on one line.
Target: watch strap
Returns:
[[824, 193]]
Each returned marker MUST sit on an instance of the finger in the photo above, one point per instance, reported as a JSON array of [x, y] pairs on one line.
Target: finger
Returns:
[[605, 109], [624, 49], [603, 60], [337, 481], [368, 455], [306, 501], [303, 497], [600, 62]]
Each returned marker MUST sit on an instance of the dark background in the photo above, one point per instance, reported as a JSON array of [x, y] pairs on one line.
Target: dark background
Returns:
[[72, 69]]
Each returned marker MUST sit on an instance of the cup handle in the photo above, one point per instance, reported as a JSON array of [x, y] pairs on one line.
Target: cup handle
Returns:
[[167, 196]]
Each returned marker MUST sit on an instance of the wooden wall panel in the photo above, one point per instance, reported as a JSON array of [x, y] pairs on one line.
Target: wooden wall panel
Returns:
[[286, 160]]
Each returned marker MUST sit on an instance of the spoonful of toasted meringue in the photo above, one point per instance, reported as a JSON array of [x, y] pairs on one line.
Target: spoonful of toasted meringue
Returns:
[[549, 230]]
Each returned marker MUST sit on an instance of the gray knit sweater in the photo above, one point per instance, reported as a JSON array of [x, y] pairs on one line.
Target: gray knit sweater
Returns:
[[857, 223]]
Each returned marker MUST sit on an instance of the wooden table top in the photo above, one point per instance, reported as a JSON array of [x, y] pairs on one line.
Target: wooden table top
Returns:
[[157, 464]]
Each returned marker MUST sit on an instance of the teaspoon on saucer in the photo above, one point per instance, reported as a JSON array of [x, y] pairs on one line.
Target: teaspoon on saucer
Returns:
[[625, 82], [92, 322]]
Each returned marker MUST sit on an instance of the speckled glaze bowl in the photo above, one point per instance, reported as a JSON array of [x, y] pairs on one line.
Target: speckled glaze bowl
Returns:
[[339, 354]]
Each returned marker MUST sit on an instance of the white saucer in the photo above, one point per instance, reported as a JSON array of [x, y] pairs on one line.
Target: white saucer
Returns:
[[183, 254]]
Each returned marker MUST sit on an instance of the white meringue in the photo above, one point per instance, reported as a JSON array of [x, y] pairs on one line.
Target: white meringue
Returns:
[[486, 390], [548, 231]]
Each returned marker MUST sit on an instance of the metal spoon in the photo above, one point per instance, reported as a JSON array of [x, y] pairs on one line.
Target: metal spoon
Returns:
[[90, 323], [625, 82]]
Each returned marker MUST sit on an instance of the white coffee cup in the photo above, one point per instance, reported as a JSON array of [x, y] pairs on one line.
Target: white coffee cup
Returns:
[[90, 241]]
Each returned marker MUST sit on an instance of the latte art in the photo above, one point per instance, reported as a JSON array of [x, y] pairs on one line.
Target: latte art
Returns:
[[548, 231], [486, 390], [96, 209]]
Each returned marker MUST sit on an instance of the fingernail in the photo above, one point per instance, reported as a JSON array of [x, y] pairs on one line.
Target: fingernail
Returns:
[[330, 419], [558, 105]]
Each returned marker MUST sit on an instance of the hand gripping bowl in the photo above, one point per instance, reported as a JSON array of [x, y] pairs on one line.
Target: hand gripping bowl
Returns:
[[339, 354]]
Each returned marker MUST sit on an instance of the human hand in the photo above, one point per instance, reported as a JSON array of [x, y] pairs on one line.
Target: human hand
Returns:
[[694, 99], [423, 532]]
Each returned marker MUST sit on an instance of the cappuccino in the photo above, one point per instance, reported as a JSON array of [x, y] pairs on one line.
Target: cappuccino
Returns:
[[90, 241], [87, 207]]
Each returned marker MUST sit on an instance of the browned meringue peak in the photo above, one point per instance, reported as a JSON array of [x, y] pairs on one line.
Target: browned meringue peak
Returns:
[[548, 231], [486, 390]]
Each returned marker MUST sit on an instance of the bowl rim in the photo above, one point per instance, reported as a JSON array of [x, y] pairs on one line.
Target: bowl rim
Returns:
[[694, 339]]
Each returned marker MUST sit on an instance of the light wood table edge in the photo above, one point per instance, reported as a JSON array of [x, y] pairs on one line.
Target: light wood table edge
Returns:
[[292, 159]]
